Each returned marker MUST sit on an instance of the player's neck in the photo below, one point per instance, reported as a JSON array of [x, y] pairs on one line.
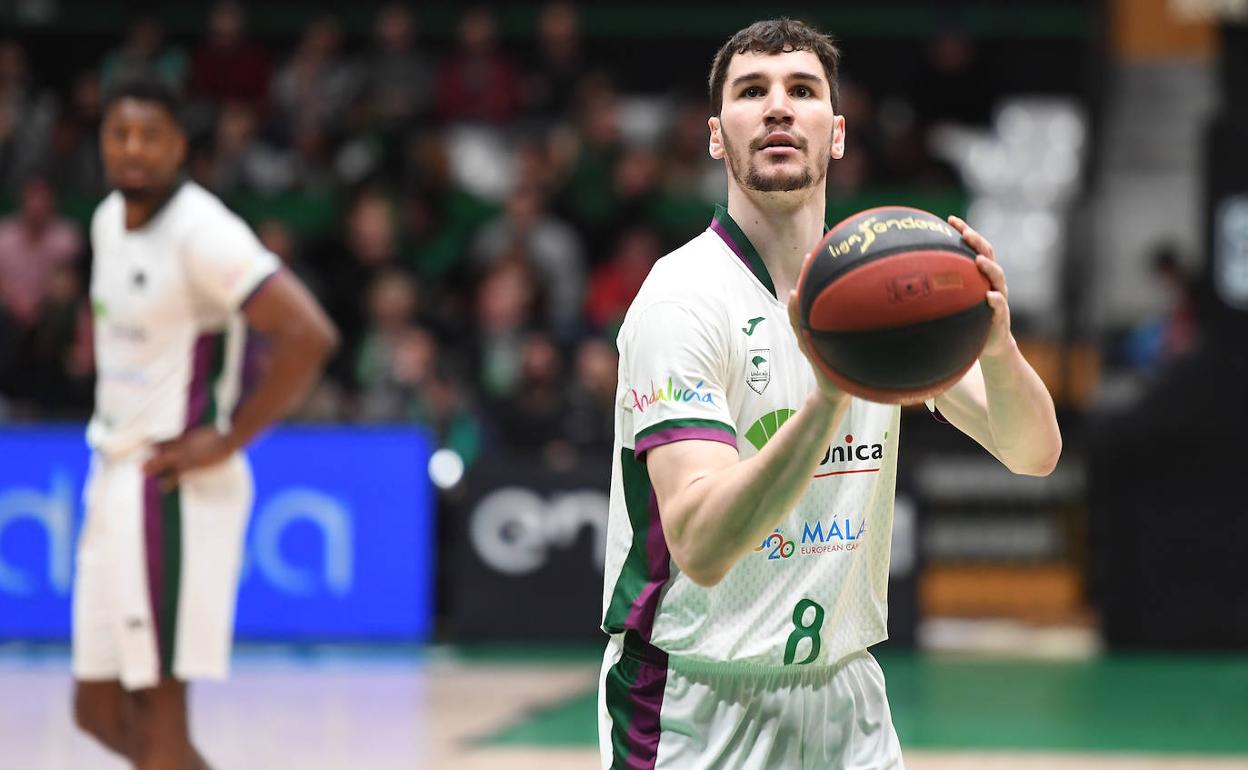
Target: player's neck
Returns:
[[142, 209], [783, 228]]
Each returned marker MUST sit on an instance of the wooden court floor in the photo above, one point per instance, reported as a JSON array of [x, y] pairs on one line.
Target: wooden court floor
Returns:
[[387, 710]]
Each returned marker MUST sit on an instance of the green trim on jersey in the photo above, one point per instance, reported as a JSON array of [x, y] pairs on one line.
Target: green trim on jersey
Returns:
[[744, 248], [619, 681], [171, 544], [214, 379], [635, 574], [681, 422]]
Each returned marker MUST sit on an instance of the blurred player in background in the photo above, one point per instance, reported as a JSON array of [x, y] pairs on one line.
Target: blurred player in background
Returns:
[[725, 653], [176, 280]]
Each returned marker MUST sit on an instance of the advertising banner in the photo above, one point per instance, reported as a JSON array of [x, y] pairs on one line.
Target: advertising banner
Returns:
[[339, 546]]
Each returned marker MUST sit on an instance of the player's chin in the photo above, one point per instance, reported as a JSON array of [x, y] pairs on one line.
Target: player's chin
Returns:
[[137, 192], [780, 180]]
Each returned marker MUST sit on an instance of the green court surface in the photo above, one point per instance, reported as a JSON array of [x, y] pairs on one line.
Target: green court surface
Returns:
[[1159, 703]]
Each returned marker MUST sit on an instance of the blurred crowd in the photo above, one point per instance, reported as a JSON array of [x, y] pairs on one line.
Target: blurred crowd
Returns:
[[476, 218]]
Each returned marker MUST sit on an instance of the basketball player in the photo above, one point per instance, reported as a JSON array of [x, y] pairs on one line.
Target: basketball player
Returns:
[[176, 279], [752, 501]]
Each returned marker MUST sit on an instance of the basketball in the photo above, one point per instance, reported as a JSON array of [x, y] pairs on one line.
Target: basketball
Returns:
[[893, 305]]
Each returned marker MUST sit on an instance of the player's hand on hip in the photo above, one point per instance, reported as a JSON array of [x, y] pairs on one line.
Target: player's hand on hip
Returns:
[[197, 448], [1000, 339], [827, 387]]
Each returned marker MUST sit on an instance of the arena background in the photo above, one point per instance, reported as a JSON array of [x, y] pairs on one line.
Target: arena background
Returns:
[[475, 194]]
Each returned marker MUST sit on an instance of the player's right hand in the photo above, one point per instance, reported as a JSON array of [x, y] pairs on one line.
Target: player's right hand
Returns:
[[197, 448], [827, 387]]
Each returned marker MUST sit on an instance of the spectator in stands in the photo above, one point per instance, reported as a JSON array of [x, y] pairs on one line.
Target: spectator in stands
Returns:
[[73, 166], [508, 306], [590, 420], [34, 244], [398, 79], [1150, 345], [368, 247], [531, 416], [690, 175], [477, 83], [144, 51], [590, 157], [392, 303], [27, 113], [315, 88], [55, 361], [550, 86], [242, 161], [227, 66], [635, 186], [952, 82], [615, 283], [553, 247]]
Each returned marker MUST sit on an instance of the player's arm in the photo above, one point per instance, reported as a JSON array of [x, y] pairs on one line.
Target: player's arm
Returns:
[[300, 336], [715, 508], [1001, 402]]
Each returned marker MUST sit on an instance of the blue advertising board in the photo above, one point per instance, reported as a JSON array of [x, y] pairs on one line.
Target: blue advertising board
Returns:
[[339, 547]]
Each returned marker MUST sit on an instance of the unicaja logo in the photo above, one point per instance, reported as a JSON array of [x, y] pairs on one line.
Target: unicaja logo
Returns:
[[860, 453]]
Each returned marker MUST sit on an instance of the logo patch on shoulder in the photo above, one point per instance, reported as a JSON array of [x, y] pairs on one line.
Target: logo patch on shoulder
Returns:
[[758, 369]]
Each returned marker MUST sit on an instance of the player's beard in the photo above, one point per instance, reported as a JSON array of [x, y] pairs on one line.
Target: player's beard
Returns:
[[153, 193], [755, 179]]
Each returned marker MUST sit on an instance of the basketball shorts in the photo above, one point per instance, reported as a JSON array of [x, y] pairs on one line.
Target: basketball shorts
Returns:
[[657, 713], [157, 572]]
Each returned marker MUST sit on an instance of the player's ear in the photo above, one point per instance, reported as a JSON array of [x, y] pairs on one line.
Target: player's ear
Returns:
[[838, 136], [716, 146]]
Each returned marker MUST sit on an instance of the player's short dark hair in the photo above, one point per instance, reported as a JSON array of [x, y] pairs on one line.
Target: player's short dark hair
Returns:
[[774, 36], [145, 87]]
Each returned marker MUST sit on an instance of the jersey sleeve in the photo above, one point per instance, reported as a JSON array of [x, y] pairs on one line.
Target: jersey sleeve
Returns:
[[226, 261], [675, 360]]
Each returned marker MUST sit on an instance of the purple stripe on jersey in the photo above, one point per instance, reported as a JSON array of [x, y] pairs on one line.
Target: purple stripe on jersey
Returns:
[[723, 233], [153, 542], [201, 367], [646, 695], [658, 569], [659, 438]]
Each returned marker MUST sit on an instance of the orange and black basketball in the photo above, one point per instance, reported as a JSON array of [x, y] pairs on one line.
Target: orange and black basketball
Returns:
[[893, 305]]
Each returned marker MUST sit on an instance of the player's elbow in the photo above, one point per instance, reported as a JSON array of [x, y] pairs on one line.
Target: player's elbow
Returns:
[[698, 566], [328, 339], [1041, 465], [317, 337]]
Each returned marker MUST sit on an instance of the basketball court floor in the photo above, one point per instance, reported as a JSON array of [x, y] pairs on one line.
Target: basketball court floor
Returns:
[[533, 709]]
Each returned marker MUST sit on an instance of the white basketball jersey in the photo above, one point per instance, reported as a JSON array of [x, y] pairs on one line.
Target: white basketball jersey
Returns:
[[166, 302], [706, 352]]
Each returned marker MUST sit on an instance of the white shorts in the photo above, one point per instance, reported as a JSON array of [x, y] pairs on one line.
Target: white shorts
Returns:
[[656, 714], [157, 572]]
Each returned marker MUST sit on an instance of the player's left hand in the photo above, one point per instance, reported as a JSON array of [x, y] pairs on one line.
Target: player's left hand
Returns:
[[196, 448], [1000, 339]]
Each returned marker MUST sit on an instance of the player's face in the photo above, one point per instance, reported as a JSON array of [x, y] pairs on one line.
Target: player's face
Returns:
[[142, 147], [776, 129]]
